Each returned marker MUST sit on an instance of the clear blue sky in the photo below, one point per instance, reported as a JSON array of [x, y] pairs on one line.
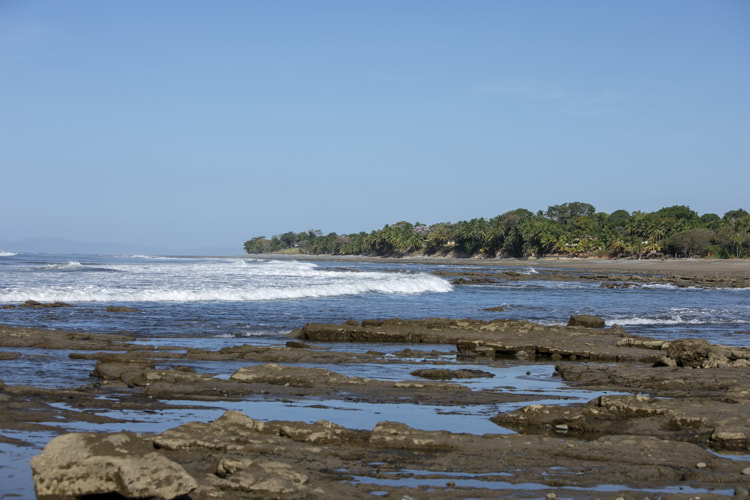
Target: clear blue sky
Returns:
[[185, 123]]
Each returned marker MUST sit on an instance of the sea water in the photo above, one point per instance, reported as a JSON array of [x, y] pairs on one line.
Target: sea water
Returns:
[[212, 303], [203, 300]]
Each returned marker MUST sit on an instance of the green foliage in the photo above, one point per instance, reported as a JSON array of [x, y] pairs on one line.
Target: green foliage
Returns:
[[569, 229], [691, 242], [567, 212]]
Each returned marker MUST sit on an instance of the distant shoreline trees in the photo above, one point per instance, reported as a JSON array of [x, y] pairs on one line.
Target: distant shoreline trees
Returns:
[[570, 229]]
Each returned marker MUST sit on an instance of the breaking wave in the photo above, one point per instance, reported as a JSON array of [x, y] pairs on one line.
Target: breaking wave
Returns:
[[73, 265], [635, 321], [234, 281], [686, 317], [7, 254], [70, 266]]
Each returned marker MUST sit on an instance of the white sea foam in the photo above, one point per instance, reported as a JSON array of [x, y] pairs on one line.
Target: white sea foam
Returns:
[[672, 320], [73, 264], [667, 286], [220, 280], [7, 254], [150, 257]]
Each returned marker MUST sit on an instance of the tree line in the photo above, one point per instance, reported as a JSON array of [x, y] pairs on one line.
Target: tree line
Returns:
[[573, 229]]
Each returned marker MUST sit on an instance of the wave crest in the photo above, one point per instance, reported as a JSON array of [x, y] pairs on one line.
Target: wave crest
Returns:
[[317, 285]]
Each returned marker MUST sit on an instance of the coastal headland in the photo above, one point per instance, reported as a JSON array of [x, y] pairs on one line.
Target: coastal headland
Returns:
[[663, 419]]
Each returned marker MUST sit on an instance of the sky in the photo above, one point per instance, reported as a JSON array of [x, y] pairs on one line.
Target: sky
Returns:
[[184, 124]]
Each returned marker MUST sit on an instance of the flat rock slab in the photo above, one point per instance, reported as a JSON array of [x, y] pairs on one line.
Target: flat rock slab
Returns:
[[498, 338], [732, 383], [274, 380], [722, 425], [13, 336], [238, 457]]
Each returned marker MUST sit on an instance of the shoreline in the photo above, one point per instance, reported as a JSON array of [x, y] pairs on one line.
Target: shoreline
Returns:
[[647, 432], [593, 263], [609, 273], [597, 406]]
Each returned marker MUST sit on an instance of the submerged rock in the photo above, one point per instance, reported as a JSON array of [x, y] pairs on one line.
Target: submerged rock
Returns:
[[33, 304], [121, 309], [446, 374]]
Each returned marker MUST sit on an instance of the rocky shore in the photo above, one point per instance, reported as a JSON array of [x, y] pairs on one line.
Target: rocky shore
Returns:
[[680, 414], [665, 419]]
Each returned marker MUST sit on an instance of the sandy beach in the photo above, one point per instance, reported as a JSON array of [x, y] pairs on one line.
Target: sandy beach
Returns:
[[626, 265], [682, 272]]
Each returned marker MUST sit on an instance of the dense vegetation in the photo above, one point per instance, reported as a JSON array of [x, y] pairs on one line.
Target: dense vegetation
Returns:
[[569, 229]]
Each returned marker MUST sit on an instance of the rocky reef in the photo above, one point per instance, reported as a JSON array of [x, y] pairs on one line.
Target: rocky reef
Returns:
[[672, 416]]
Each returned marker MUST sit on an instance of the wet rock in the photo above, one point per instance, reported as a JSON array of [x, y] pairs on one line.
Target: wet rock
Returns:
[[76, 465], [586, 321], [492, 339], [446, 374], [292, 376], [495, 309], [721, 426], [417, 354], [33, 304], [11, 336], [132, 373], [6, 356], [296, 344], [120, 309]]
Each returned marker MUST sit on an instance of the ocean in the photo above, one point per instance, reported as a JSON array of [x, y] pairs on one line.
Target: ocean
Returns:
[[216, 302], [210, 301]]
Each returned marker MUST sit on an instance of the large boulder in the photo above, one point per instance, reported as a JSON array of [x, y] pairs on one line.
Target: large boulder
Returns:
[[586, 321], [131, 372], [697, 353], [81, 464]]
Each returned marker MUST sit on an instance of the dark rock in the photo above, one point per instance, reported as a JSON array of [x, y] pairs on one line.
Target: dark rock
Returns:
[[296, 344], [445, 374], [33, 304], [586, 321], [132, 373], [121, 309]]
